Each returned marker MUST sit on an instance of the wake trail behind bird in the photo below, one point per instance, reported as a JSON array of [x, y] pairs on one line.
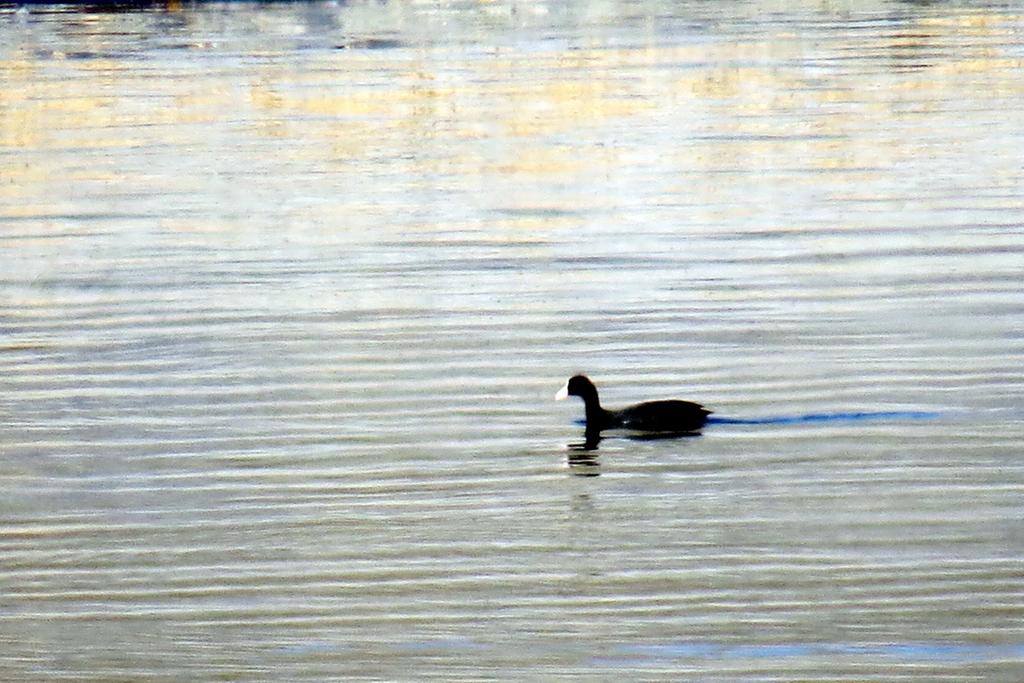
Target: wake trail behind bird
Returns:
[[851, 416]]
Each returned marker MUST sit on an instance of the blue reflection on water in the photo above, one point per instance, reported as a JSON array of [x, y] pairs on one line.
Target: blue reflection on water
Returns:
[[919, 651], [854, 416]]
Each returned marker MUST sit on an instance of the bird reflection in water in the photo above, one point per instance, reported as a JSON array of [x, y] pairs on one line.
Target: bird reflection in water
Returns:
[[583, 460]]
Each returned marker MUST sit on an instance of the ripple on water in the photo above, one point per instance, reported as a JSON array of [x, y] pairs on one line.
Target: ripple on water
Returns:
[[287, 290]]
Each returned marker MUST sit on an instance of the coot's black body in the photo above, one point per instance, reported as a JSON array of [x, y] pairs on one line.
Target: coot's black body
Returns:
[[679, 417]]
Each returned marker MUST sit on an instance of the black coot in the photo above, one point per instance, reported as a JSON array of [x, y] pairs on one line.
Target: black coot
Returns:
[[677, 417]]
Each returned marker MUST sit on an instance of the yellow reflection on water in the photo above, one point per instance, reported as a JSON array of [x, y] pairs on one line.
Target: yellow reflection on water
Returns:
[[784, 98]]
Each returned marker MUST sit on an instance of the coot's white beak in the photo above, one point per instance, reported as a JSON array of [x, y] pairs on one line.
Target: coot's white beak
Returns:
[[563, 393]]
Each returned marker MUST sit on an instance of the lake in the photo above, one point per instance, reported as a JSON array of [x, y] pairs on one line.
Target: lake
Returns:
[[287, 290]]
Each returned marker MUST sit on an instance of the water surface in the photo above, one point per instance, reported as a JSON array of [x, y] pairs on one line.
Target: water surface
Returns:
[[286, 291]]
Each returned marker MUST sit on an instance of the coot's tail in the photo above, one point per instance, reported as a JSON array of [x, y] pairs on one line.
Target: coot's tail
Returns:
[[856, 416]]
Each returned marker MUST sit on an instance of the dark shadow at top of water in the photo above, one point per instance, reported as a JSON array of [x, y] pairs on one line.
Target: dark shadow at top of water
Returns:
[[94, 7]]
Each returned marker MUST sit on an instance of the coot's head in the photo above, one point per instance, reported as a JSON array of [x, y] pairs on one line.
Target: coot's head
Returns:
[[578, 386]]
